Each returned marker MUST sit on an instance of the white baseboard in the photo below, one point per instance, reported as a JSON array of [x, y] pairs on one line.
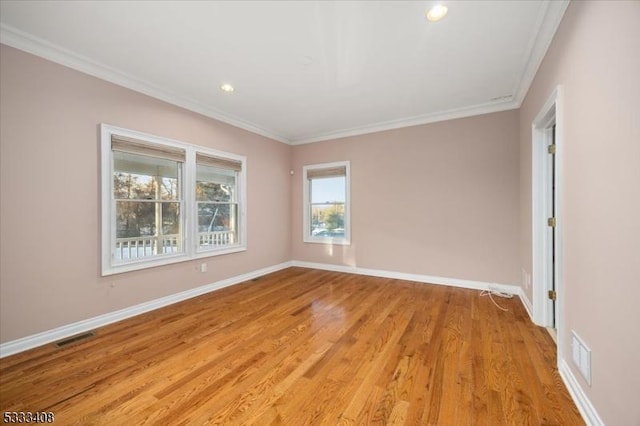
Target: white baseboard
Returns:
[[583, 403], [585, 407], [526, 303], [49, 336], [429, 279], [588, 411], [39, 339]]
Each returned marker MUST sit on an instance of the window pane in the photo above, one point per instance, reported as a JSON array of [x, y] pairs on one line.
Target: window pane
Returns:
[[145, 178], [170, 218], [169, 189], [208, 191], [328, 190], [217, 224], [133, 186], [327, 220], [136, 232], [135, 219], [215, 184]]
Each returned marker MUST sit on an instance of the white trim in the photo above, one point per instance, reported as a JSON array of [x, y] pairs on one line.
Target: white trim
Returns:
[[526, 302], [551, 15], [542, 273], [587, 410], [39, 339], [551, 111], [470, 111], [346, 240], [559, 207], [582, 402], [241, 199], [29, 43], [585, 407], [427, 279], [188, 209]]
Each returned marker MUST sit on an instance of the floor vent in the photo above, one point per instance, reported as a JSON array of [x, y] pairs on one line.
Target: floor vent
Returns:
[[74, 339]]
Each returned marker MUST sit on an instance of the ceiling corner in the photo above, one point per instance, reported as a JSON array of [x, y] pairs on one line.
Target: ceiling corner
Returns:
[[550, 17], [28, 43]]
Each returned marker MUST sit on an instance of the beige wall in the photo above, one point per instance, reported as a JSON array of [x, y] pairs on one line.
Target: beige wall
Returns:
[[450, 199], [438, 199], [49, 261], [595, 55]]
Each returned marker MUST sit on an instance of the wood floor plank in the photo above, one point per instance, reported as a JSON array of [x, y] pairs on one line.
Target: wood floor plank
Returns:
[[303, 346]]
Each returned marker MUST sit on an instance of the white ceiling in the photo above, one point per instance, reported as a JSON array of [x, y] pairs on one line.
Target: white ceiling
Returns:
[[302, 71]]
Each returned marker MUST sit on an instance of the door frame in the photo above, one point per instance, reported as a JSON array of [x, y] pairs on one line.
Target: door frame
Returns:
[[543, 313]]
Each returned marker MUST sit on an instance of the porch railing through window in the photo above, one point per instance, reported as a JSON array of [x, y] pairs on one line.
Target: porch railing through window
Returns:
[[140, 247], [217, 238]]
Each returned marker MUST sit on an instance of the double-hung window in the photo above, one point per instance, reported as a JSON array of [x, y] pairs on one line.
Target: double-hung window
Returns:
[[147, 199], [165, 201], [326, 203], [217, 201]]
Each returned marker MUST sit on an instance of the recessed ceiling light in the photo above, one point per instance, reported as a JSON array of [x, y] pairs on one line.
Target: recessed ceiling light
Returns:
[[305, 60], [227, 88], [437, 12]]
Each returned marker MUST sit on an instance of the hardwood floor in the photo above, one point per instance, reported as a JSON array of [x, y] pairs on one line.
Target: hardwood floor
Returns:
[[302, 346]]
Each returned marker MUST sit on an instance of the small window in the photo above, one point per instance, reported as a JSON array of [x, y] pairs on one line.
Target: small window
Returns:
[[326, 203], [165, 201]]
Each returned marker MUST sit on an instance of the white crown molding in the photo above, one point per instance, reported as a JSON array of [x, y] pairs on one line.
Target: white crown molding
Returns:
[[49, 336], [551, 15], [44, 49], [485, 108], [586, 408], [426, 279]]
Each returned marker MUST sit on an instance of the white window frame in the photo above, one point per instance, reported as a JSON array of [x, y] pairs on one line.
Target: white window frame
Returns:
[[306, 208], [241, 244], [189, 222]]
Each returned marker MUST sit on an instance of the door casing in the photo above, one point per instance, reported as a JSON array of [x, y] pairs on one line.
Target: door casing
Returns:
[[543, 266]]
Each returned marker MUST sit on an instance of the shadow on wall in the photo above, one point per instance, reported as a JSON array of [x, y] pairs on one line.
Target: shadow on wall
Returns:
[[345, 254]]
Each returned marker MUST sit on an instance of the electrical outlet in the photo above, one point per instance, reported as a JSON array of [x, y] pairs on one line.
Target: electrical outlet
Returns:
[[526, 279], [523, 277], [203, 267], [581, 356]]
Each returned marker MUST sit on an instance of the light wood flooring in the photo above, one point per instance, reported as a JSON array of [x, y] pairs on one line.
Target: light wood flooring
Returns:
[[303, 346]]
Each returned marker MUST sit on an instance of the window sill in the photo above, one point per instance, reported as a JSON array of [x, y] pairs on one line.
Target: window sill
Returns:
[[144, 264], [329, 241], [220, 251], [168, 260]]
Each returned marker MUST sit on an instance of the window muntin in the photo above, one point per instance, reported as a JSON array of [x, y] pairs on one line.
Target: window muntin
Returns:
[[326, 203], [157, 195], [147, 193], [217, 207]]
